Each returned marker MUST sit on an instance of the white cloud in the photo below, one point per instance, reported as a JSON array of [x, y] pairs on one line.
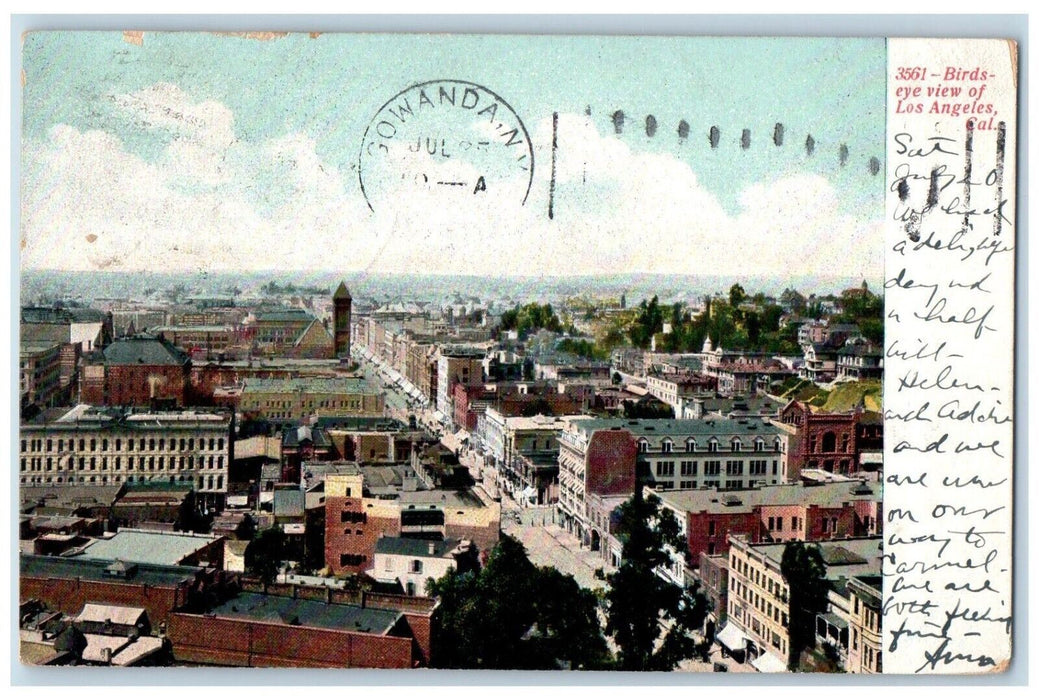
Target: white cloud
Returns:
[[214, 202], [201, 132]]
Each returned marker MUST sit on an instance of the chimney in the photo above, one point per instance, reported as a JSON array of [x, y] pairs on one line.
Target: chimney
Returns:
[[106, 656], [432, 548]]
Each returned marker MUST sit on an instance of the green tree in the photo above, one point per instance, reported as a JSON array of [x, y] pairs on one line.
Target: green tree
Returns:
[[246, 529], [805, 572], [650, 619], [264, 555], [515, 615], [737, 295]]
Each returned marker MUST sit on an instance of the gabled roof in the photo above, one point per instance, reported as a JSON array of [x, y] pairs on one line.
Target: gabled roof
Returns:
[[342, 292], [143, 350], [415, 547]]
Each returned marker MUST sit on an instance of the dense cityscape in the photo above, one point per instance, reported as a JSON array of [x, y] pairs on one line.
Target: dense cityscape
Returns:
[[282, 474]]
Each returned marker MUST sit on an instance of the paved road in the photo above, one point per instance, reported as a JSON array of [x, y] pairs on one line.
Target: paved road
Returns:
[[548, 544]]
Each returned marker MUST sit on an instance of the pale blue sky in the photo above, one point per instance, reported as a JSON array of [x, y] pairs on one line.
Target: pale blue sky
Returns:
[[327, 89]]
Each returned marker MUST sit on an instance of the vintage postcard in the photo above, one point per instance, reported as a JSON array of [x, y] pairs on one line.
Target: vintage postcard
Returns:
[[568, 353]]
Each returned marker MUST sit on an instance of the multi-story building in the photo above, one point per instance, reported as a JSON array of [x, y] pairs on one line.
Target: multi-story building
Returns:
[[676, 388], [666, 454], [749, 377], [91, 329], [759, 595], [411, 563], [297, 398], [820, 363], [87, 445], [40, 368], [136, 372], [288, 332], [859, 359], [833, 442], [594, 459], [864, 644], [509, 439], [342, 305], [779, 513], [456, 365], [205, 342], [363, 504]]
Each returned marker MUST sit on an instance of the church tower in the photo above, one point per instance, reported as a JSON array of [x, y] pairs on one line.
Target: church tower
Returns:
[[341, 306]]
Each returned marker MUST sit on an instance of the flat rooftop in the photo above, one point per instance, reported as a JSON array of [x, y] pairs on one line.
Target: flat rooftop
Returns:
[[94, 569], [308, 613], [714, 501], [676, 427], [312, 385], [147, 546]]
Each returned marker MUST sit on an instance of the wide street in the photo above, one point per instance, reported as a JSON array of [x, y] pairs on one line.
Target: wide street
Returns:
[[548, 544]]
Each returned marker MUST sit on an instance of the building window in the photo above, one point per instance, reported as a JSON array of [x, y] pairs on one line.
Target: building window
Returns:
[[690, 445], [416, 566], [643, 446], [712, 446], [666, 446]]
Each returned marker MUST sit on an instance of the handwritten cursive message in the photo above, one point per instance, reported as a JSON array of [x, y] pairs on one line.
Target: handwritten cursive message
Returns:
[[949, 349]]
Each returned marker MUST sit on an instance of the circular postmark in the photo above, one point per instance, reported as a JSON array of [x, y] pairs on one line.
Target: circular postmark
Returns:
[[451, 139]]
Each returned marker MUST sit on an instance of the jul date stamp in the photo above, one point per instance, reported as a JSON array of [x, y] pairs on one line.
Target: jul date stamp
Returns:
[[447, 138]]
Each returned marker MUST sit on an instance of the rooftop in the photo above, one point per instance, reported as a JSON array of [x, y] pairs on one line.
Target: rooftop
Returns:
[[676, 427], [314, 385], [285, 315], [288, 503], [143, 350], [714, 501], [95, 569], [97, 417], [307, 613], [415, 548], [147, 546], [844, 558], [342, 292], [32, 347]]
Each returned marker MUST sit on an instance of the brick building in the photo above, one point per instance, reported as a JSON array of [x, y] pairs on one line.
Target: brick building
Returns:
[[67, 584], [136, 372], [360, 507], [295, 399], [40, 374], [833, 442], [456, 365], [342, 303], [781, 513]]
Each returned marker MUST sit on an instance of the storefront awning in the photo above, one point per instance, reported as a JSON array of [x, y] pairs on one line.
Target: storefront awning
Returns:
[[768, 663], [732, 638]]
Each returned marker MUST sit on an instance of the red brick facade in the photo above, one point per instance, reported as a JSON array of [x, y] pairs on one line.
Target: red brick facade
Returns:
[[827, 441], [610, 467], [351, 534], [69, 595], [137, 385], [708, 533], [205, 639]]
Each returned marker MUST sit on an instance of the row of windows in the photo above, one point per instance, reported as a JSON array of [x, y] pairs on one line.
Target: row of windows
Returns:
[[736, 445], [37, 464], [776, 523], [203, 482], [761, 603], [326, 403], [143, 444]]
